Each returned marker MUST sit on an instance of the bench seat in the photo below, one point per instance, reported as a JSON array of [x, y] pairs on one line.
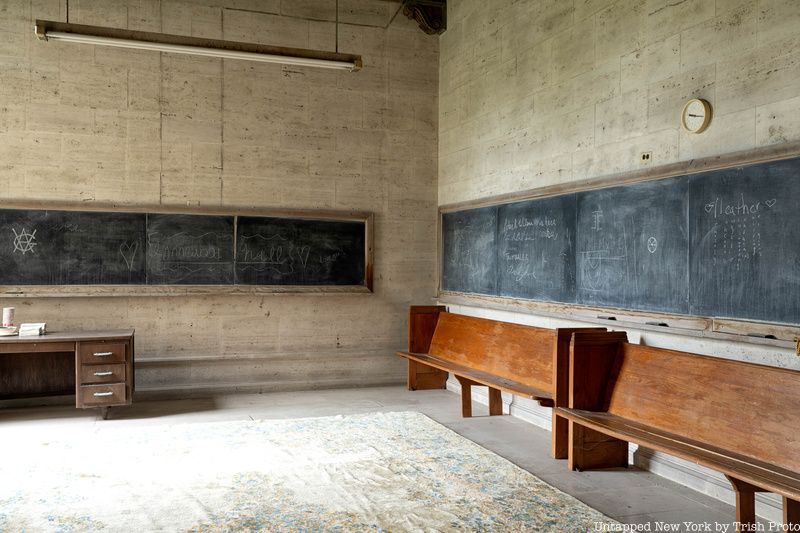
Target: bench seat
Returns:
[[735, 417], [482, 378], [770, 477]]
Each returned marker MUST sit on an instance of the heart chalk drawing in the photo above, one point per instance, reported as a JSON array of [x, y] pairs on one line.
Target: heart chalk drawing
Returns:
[[709, 207], [770, 203], [302, 254], [128, 252]]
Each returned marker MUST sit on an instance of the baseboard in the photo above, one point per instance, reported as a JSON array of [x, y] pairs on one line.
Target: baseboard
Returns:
[[202, 375], [768, 506], [197, 390]]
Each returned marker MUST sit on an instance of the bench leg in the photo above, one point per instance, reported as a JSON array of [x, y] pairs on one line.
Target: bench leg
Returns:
[[560, 448], [466, 396], [745, 505], [791, 512], [495, 402], [589, 449], [424, 377]]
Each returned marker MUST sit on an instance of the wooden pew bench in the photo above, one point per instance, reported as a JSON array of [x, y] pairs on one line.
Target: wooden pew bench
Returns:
[[499, 355], [740, 419]]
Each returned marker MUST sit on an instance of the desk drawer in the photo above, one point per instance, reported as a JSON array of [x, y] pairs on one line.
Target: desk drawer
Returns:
[[102, 373], [92, 395], [102, 353]]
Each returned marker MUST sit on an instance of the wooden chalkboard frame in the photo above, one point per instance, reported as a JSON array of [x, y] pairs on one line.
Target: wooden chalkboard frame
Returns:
[[55, 291], [723, 328]]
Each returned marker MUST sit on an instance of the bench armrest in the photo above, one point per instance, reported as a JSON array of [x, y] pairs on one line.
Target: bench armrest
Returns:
[[422, 320], [594, 360]]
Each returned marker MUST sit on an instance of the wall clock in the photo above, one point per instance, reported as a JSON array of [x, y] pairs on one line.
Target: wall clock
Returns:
[[696, 115]]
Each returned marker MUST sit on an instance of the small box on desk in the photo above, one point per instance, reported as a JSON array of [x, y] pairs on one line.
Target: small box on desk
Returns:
[[33, 329]]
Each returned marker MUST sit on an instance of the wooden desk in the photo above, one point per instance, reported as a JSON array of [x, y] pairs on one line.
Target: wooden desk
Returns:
[[95, 366]]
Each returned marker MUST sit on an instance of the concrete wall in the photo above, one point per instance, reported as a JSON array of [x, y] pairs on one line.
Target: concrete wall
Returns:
[[542, 92], [84, 124]]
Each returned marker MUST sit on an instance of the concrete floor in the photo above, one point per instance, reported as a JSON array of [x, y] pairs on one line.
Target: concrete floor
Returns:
[[630, 496]]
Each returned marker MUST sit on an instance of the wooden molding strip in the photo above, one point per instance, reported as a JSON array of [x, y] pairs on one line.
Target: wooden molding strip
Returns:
[[686, 325], [681, 168], [309, 214], [70, 291]]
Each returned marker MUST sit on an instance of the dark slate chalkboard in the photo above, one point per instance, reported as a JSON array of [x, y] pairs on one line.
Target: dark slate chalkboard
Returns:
[[469, 245], [40, 247], [724, 243], [632, 246], [280, 251], [745, 242], [536, 249], [71, 248], [189, 249]]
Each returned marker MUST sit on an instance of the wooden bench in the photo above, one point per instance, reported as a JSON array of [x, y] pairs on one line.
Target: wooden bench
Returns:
[[740, 419], [499, 355]]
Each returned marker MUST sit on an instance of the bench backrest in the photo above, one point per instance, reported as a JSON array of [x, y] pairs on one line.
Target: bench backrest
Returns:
[[513, 351], [750, 409]]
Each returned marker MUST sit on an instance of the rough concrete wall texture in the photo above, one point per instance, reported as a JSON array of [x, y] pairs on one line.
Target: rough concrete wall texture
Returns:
[[541, 92], [89, 124]]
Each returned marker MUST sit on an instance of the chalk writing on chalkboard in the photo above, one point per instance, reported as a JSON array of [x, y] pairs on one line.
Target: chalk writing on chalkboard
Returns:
[[183, 249], [536, 249], [39, 247], [632, 243], [275, 251], [723, 243], [24, 242], [744, 258], [470, 251]]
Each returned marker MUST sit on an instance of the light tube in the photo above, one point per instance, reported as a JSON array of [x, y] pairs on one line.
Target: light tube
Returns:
[[176, 44]]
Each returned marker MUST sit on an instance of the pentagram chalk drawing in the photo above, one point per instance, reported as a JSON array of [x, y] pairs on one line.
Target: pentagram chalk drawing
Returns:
[[24, 242]]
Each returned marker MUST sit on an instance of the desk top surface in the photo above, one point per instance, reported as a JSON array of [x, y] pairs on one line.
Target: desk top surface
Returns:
[[71, 336]]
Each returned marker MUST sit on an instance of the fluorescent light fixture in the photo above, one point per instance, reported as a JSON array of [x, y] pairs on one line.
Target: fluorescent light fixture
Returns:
[[178, 44]]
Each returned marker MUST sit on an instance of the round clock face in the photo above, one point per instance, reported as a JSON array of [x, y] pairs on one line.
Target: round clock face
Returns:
[[696, 115]]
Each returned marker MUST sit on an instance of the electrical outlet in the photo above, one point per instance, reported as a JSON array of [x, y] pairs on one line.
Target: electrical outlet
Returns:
[[646, 158]]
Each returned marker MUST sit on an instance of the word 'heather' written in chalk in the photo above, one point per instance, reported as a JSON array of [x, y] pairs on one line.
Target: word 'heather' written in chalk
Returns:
[[741, 207]]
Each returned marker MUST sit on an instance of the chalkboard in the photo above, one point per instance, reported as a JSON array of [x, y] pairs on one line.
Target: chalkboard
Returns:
[[470, 251], [724, 243], [189, 249], [280, 251], [39, 247], [536, 249], [745, 242], [632, 246], [71, 248]]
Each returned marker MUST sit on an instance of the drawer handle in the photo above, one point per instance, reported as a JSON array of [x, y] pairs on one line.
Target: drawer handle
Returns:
[[101, 374], [103, 354], [102, 394]]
